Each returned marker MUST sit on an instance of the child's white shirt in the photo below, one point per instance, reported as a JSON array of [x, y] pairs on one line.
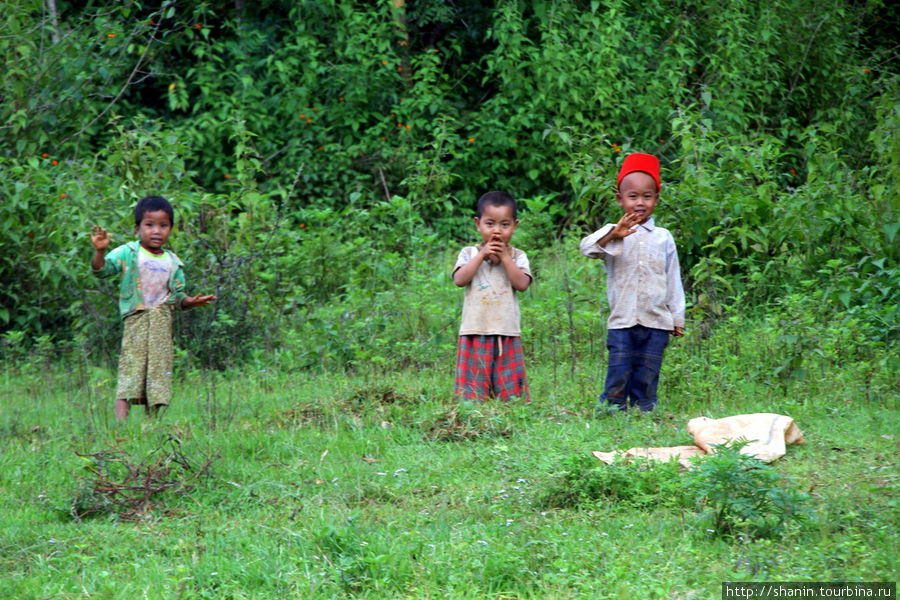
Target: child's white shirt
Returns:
[[643, 282], [490, 305]]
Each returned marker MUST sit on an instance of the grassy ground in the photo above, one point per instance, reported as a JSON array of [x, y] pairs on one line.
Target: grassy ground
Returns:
[[381, 486]]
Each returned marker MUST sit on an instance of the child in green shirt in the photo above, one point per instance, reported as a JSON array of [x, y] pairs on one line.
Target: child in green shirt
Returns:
[[152, 286]]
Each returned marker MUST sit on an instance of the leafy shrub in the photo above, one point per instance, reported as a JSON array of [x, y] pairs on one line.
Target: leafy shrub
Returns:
[[49, 208], [741, 494]]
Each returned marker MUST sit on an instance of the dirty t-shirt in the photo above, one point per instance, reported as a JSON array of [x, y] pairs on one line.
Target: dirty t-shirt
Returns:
[[490, 306], [155, 271]]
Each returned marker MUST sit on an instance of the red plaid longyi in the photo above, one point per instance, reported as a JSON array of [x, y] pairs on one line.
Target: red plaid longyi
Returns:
[[490, 366]]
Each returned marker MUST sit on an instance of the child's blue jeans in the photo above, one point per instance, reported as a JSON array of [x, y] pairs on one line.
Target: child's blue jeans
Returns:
[[635, 358]]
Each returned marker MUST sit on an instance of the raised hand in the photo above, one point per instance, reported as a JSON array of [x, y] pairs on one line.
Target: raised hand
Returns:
[[100, 238], [624, 227]]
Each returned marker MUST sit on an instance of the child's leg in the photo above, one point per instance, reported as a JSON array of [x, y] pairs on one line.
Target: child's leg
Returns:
[[647, 364], [619, 369], [473, 362], [508, 372], [122, 407]]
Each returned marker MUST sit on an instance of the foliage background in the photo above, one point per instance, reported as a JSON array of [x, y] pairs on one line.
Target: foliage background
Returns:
[[324, 159]]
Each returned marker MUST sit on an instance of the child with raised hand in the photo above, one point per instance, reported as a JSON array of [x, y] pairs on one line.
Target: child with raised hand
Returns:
[[152, 286], [643, 287], [489, 360]]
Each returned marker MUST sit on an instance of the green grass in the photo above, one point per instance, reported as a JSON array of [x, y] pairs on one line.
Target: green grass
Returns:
[[381, 486]]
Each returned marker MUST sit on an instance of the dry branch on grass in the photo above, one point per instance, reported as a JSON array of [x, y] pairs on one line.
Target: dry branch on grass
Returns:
[[131, 489], [451, 426]]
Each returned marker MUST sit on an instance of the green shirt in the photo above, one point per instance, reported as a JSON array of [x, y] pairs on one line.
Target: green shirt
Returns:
[[124, 260]]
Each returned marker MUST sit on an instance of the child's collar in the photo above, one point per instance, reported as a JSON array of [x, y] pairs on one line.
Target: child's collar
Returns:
[[649, 225]]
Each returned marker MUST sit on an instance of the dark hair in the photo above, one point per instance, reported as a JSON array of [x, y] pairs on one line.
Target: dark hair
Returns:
[[497, 199], [150, 204]]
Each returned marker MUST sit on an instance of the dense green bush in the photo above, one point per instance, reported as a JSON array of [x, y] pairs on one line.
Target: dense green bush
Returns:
[[315, 150], [734, 493]]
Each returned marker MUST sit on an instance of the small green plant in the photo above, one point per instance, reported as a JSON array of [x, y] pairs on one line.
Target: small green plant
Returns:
[[13, 343], [742, 494], [583, 481]]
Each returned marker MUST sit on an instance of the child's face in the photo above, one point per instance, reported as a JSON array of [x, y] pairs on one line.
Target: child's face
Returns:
[[638, 194], [154, 229], [496, 222]]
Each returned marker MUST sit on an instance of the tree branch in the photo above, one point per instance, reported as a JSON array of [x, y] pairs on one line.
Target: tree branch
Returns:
[[127, 83], [54, 19]]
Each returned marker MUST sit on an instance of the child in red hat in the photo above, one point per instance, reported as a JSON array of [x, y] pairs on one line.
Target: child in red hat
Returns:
[[646, 297]]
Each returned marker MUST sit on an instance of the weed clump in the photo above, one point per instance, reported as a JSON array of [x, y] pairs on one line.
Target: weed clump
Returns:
[[129, 488], [733, 492], [380, 395], [469, 421], [582, 482]]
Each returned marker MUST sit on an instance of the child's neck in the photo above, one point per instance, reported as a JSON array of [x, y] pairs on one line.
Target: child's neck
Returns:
[[152, 250]]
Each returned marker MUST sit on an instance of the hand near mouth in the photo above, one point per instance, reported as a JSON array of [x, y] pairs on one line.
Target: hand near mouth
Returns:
[[624, 227], [495, 250]]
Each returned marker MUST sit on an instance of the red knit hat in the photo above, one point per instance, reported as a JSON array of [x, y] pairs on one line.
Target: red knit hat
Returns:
[[646, 163]]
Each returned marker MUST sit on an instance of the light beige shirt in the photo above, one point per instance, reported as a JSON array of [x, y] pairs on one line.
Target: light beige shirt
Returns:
[[643, 278], [490, 306]]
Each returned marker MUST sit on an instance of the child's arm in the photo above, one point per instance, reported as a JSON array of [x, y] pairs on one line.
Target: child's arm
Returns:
[[464, 275], [600, 244], [178, 297], [519, 279], [674, 288], [100, 240]]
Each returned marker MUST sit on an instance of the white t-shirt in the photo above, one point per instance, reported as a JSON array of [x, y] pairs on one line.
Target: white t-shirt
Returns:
[[155, 271], [490, 306]]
